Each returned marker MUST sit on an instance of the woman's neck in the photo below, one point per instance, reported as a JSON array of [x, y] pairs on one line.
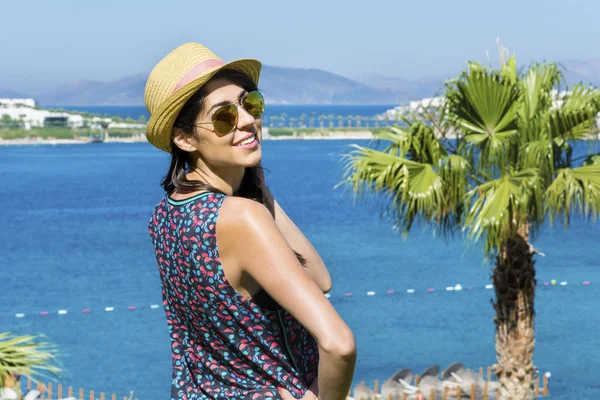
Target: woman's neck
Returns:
[[226, 179]]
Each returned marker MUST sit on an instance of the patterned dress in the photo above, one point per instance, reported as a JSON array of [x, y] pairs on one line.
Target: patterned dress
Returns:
[[224, 346]]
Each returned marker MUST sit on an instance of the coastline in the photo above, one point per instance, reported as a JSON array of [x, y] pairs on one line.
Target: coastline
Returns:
[[34, 141]]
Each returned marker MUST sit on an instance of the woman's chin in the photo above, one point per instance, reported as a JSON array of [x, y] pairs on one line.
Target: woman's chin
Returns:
[[252, 159]]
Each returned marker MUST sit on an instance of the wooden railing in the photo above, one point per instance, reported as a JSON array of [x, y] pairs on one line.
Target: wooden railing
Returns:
[[47, 390]]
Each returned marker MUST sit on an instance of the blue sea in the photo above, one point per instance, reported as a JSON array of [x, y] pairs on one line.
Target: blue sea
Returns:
[[73, 237]]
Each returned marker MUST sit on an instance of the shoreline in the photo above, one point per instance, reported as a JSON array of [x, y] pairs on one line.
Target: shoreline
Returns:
[[362, 135]]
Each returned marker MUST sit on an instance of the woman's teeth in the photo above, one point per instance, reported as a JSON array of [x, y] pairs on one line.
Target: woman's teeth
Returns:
[[246, 141]]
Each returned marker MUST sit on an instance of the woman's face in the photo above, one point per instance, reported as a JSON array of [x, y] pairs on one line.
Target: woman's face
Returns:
[[227, 150]]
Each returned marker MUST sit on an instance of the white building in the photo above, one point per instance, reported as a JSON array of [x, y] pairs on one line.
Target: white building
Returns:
[[17, 102], [24, 110]]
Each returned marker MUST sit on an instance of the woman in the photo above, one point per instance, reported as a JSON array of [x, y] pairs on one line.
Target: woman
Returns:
[[243, 289]]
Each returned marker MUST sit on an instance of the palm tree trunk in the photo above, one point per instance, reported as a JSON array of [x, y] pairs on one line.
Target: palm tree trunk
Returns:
[[514, 283]]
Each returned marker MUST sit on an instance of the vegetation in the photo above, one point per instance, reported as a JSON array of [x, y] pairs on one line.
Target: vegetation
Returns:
[[25, 356], [509, 169]]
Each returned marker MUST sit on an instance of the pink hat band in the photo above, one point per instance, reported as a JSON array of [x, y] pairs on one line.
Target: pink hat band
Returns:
[[197, 71]]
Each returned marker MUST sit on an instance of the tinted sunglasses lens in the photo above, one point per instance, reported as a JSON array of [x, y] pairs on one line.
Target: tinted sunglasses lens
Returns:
[[225, 119], [254, 104]]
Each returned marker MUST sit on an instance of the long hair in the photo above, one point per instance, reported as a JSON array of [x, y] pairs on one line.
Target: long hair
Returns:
[[180, 161]]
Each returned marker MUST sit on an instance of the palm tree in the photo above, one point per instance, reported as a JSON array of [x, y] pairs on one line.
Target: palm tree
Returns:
[[330, 120], [282, 118], [321, 120], [273, 121], [23, 356], [340, 121], [358, 119], [302, 120], [508, 169]]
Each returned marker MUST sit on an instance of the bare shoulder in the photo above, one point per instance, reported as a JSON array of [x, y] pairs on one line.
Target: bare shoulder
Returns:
[[240, 215]]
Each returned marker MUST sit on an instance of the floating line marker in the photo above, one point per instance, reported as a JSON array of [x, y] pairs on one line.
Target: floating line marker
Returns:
[[20, 315], [109, 309], [131, 308], [489, 286], [85, 310], [410, 290], [62, 312], [370, 293], [153, 306], [390, 292]]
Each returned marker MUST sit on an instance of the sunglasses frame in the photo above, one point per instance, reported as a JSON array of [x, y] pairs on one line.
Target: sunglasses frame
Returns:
[[237, 103]]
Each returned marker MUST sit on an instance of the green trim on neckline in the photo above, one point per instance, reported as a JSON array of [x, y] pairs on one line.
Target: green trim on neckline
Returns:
[[185, 201]]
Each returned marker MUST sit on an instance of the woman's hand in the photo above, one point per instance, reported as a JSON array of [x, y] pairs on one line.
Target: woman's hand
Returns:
[[311, 394]]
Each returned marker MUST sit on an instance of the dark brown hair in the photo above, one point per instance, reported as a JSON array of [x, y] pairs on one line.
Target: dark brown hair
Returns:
[[180, 164]]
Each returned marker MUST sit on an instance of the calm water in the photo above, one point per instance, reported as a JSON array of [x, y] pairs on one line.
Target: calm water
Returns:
[[73, 236]]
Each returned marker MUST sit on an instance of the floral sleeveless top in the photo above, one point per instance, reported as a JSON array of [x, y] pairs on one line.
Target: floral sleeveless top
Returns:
[[224, 346]]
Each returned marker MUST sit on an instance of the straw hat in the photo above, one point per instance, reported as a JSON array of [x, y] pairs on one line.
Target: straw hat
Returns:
[[176, 78]]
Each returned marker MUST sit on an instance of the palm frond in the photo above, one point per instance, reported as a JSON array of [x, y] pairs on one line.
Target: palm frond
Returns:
[[574, 190], [537, 85], [574, 118], [484, 105], [23, 355], [538, 154], [500, 206], [592, 159], [416, 190]]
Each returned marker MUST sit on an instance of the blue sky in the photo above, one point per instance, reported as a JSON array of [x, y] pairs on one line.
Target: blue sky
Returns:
[[47, 43]]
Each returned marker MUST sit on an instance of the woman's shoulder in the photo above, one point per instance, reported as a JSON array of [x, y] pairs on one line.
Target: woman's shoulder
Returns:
[[241, 215]]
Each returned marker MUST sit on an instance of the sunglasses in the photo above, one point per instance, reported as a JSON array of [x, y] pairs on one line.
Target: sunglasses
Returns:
[[225, 118]]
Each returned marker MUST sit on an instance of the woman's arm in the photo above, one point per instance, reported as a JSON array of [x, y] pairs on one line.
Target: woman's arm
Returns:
[[315, 267], [247, 233]]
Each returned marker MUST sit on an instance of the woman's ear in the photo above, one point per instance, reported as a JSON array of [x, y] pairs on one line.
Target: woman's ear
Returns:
[[183, 141]]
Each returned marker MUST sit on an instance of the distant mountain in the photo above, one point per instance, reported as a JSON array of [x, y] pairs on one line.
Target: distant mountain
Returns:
[[576, 71], [11, 94], [126, 91], [289, 86], [406, 89], [280, 86]]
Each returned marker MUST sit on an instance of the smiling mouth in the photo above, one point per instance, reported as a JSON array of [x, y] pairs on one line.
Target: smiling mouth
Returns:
[[249, 140]]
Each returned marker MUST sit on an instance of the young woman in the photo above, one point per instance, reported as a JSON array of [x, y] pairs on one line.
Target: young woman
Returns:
[[243, 289]]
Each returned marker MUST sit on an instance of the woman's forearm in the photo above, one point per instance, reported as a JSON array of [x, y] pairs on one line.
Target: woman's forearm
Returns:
[[315, 267]]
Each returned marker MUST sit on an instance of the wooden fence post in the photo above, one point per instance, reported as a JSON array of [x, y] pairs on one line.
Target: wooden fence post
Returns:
[[376, 390], [91, 395], [80, 394], [498, 394], [545, 392], [431, 394], [416, 380], [485, 390], [459, 392], [59, 392], [404, 395], [113, 397], [537, 385], [28, 384], [70, 391], [481, 372], [489, 373], [49, 390], [445, 392], [101, 395]]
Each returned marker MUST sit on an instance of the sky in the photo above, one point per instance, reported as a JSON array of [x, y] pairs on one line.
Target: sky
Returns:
[[44, 44]]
